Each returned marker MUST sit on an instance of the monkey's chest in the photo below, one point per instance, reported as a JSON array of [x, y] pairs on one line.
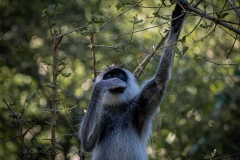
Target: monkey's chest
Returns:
[[120, 142], [116, 130]]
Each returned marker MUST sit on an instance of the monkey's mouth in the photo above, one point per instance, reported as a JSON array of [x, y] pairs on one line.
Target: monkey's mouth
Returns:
[[117, 90]]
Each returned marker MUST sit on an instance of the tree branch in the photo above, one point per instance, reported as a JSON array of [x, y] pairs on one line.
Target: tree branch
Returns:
[[234, 7], [215, 20]]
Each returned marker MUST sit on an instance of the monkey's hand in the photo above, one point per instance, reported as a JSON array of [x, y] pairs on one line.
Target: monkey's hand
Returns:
[[178, 15], [113, 85], [180, 5]]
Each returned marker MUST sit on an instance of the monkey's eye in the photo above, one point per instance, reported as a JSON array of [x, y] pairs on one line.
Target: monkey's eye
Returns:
[[119, 75], [109, 76]]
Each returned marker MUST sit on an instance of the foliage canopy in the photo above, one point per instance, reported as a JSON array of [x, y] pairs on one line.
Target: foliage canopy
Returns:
[[201, 109]]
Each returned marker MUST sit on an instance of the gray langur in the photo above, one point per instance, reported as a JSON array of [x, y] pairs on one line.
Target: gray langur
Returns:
[[118, 121]]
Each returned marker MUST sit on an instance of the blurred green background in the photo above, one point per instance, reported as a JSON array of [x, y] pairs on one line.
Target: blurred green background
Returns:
[[200, 110]]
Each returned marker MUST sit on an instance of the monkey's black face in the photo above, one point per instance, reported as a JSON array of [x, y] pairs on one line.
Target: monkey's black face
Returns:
[[116, 73]]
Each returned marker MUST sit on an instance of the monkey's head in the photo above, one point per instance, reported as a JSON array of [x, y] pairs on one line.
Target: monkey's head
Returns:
[[119, 95]]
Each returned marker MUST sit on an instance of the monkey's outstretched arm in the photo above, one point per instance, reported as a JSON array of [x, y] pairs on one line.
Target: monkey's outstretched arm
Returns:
[[153, 91], [90, 126]]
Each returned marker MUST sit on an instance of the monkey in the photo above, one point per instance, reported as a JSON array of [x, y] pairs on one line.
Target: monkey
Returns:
[[118, 120]]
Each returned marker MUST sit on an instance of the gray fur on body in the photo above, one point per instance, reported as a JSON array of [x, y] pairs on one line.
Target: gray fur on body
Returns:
[[117, 126]]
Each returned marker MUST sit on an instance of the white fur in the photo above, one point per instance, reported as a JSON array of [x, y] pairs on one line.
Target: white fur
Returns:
[[121, 145]]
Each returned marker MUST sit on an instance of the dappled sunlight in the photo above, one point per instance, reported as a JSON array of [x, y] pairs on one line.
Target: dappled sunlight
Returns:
[[43, 102], [192, 90], [205, 79], [21, 79], [86, 85], [196, 50], [170, 138], [36, 42], [211, 123], [75, 157], [210, 54], [162, 152], [78, 92], [149, 150], [198, 117], [199, 112]]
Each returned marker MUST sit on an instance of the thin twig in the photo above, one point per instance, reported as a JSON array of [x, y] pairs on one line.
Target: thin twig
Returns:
[[223, 10], [9, 139], [122, 64], [235, 39], [224, 29], [152, 7], [201, 39], [234, 7], [111, 19], [194, 27], [79, 28], [92, 45], [144, 63], [118, 35], [208, 60], [215, 20], [156, 13], [196, 4], [21, 135], [65, 135], [10, 108], [67, 117]]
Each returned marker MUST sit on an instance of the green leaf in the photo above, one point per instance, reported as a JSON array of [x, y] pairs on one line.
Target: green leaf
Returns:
[[183, 39], [97, 19], [119, 5], [45, 12], [51, 7], [66, 74], [218, 15], [184, 50], [89, 30], [59, 8], [224, 15], [46, 63], [165, 17], [163, 2], [31, 96], [50, 85], [119, 47], [202, 26], [122, 3], [176, 50], [22, 111], [165, 31], [136, 20], [156, 14], [59, 146]]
